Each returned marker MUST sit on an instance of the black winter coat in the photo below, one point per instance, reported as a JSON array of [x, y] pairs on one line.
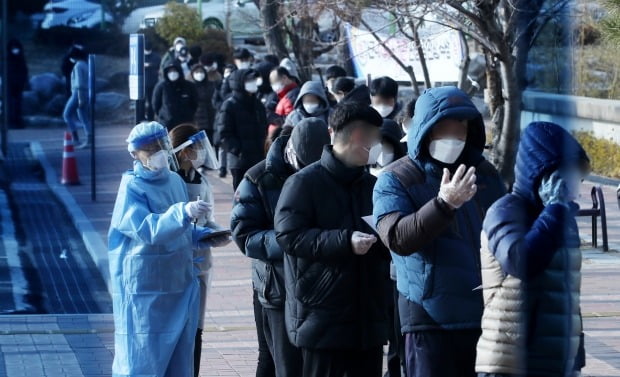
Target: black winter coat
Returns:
[[205, 113], [242, 124], [174, 102], [334, 298], [252, 223]]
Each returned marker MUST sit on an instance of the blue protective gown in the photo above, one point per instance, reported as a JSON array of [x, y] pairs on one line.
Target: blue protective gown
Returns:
[[154, 286]]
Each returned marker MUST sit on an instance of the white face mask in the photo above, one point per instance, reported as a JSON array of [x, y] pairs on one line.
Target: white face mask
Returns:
[[386, 156], [311, 108], [330, 85], [15, 51], [201, 155], [244, 65], [178, 47], [383, 110], [199, 76], [291, 156], [373, 154], [251, 86], [277, 87], [446, 150], [158, 161], [406, 126], [572, 188], [173, 75]]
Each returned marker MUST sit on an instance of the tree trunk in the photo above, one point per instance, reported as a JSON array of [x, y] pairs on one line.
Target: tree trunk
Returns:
[[272, 32], [344, 53], [301, 35], [508, 143], [464, 66], [421, 56]]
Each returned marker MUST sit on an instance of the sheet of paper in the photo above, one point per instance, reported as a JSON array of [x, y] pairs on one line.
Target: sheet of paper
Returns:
[[370, 221]]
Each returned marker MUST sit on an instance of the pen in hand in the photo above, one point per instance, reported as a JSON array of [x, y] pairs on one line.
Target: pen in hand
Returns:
[[196, 218]]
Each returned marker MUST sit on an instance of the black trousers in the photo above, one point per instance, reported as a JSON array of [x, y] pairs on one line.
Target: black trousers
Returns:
[[265, 367], [148, 102], [342, 363], [14, 109], [287, 357], [197, 352], [441, 353], [396, 350]]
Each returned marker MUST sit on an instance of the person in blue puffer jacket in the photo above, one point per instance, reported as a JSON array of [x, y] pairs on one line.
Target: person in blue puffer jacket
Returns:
[[429, 207], [531, 263]]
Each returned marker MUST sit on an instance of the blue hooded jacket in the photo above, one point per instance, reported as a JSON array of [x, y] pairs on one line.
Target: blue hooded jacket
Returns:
[[437, 281], [539, 245], [544, 148]]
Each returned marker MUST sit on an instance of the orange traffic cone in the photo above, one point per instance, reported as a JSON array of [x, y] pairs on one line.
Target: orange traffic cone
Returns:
[[69, 165]]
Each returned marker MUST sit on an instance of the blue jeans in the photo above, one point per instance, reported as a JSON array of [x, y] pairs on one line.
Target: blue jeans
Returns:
[[77, 113]]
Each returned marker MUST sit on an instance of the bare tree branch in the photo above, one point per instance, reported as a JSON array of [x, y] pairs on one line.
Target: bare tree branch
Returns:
[[408, 69]]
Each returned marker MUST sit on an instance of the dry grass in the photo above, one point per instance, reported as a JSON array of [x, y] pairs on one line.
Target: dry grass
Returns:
[[604, 154]]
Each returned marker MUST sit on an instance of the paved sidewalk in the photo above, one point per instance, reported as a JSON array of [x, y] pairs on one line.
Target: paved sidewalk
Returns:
[[76, 345]]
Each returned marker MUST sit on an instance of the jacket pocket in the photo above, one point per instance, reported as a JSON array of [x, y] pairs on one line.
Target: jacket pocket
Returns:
[[429, 280], [319, 288], [273, 290]]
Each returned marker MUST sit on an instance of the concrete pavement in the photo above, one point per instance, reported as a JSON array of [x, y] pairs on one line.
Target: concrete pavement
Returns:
[[82, 345]]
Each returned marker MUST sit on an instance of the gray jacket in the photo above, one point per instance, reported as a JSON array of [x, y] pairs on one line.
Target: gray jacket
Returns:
[[297, 115]]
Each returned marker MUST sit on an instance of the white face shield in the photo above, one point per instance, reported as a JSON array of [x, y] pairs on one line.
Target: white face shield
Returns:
[[200, 151], [154, 144]]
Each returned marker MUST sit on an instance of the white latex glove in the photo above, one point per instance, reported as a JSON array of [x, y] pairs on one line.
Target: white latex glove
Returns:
[[362, 242], [197, 209], [460, 189]]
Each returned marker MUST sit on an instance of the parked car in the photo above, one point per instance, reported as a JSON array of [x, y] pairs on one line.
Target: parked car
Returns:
[[74, 13], [244, 17]]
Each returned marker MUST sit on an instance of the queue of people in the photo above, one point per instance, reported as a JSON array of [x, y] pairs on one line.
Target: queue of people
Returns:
[[369, 222]]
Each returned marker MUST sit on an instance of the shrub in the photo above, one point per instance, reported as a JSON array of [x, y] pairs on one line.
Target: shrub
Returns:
[[214, 41], [604, 154], [180, 20], [158, 43]]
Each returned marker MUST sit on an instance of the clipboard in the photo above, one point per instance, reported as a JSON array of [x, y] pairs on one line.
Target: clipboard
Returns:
[[217, 233]]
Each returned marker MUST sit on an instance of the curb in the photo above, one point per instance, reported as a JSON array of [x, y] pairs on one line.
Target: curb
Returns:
[[92, 240], [603, 180]]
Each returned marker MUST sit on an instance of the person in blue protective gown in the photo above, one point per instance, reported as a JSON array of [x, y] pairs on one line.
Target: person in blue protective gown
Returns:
[[154, 285]]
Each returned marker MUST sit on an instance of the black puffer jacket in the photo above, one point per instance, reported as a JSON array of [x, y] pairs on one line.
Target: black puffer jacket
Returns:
[[242, 123], [252, 223], [205, 113], [360, 94], [334, 298], [174, 102]]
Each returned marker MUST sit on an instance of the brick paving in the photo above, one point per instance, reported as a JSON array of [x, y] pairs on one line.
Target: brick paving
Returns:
[[82, 344]]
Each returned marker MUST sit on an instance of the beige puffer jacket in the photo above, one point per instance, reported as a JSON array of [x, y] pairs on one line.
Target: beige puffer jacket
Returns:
[[542, 339]]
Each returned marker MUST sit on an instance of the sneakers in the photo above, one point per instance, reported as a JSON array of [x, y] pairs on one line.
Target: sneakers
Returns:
[[83, 145]]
